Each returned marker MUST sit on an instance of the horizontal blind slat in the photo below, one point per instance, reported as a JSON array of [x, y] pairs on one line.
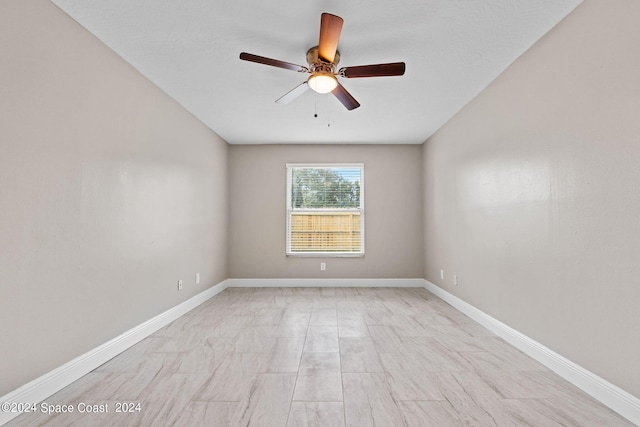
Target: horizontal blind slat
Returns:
[[325, 209]]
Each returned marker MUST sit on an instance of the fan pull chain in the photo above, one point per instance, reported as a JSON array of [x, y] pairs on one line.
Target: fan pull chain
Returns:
[[328, 111], [315, 105]]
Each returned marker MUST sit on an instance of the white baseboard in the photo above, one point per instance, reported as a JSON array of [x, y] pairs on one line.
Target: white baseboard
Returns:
[[54, 381], [325, 283], [614, 397]]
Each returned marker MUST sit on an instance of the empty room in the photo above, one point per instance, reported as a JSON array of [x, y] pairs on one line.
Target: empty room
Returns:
[[321, 213]]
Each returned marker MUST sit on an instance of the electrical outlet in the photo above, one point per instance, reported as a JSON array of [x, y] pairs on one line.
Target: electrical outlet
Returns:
[[441, 274], [455, 280], [179, 285], [323, 266], [197, 278]]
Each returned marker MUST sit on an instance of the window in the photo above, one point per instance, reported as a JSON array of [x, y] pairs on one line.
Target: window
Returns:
[[325, 214]]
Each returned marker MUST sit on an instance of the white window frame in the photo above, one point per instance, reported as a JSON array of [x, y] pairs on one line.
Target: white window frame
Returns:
[[290, 167]]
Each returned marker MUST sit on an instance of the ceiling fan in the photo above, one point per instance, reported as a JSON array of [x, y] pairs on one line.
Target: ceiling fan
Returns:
[[322, 60]]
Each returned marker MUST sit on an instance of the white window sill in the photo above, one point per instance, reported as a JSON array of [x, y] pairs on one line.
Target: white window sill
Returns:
[[325, 254]]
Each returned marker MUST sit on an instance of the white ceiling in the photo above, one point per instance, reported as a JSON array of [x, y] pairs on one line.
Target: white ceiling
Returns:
[[189, 48]]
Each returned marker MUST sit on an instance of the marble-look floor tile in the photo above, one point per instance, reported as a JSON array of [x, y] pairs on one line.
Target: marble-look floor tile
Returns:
[[368, 401], [121, 387], [175, 328], [503, 361], [561, 412], [407, 379], [448, 331], [487, 398], [88, 384], [232, 378], [255, 339], [207, 414], [376, 317], [319, 378], [351, 324], [322, 339], [184, 342], [322, 301], [433, 413], [359, 355], [136, 359], [285, 356], [576, 404], [353, 330], [316, 414], [205, 358], [522, 384], [293, 308], [400, 306], [330, 292], [292, 326], [534, 412], [494, 344], [323, 317], [229, 326], [418, 297], [106, 386], [468, 344], [475, 329], [386, 340], [407, 326], [434, 357], [349, 314], [267, 316], [165, 399], [267, 402], [468, 410]]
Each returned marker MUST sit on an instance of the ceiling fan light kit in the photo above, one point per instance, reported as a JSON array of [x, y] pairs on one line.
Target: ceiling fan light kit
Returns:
[[322, 60], [322, 82]]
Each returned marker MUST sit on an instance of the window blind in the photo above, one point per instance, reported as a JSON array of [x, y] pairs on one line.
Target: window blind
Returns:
[[325, 213]]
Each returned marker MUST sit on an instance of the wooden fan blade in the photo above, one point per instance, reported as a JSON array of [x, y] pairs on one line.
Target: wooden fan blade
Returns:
[[330, 29], [345, 97], [272, 62], [377, 70], [293, 93]]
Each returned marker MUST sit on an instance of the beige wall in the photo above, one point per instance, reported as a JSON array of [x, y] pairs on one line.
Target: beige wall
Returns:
[[532, 199], [393, 212], [109, 193]]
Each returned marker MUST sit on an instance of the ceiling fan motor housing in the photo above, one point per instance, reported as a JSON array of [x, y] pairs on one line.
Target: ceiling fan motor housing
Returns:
[[319, 64]]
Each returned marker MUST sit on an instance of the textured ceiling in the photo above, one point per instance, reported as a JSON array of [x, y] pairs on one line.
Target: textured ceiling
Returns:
[[189, 48]]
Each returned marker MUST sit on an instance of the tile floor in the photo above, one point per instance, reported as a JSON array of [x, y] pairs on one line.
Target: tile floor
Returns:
[[325, 357]]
